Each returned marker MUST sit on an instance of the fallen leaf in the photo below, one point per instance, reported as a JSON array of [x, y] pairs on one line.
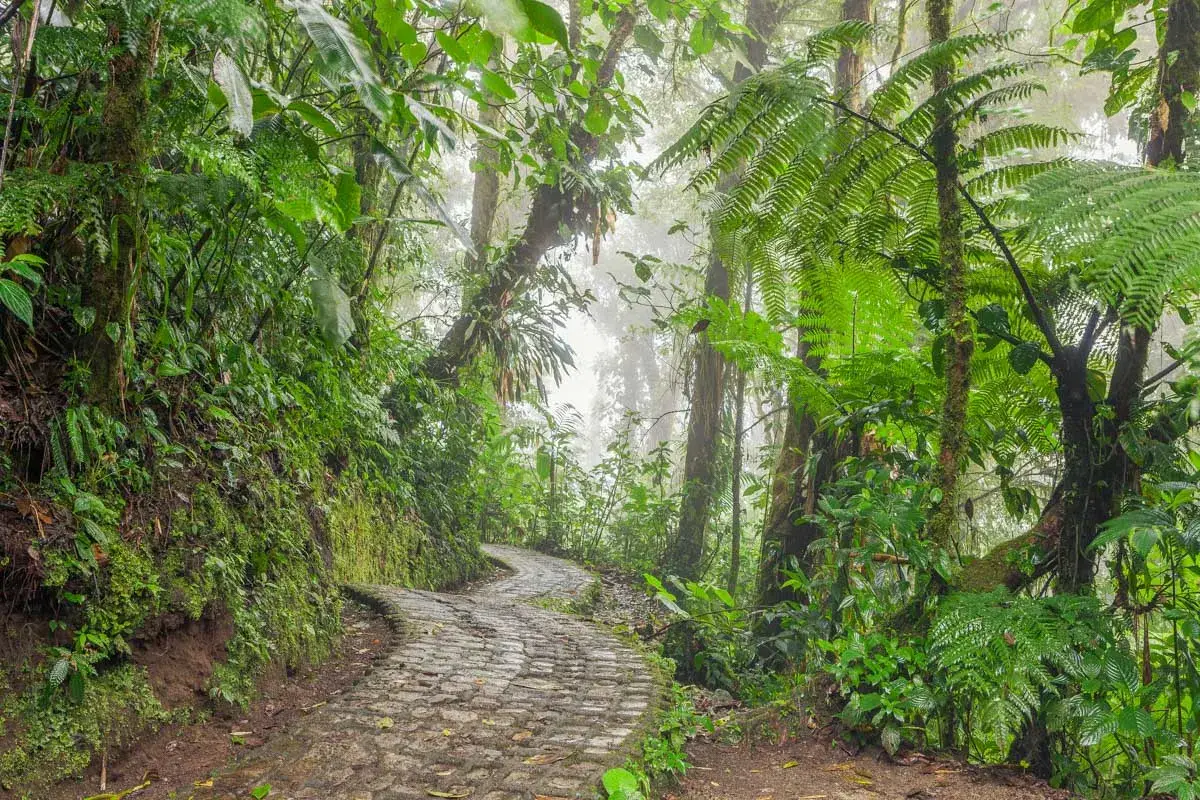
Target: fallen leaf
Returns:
[[489, 722], [521, 736], [454, 795], [546, 758], [120, 795], [790, 764], [384, 722], [203, 784], [447, 732]]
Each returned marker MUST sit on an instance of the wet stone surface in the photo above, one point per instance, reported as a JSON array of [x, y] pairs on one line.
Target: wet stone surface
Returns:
[[485, 697]]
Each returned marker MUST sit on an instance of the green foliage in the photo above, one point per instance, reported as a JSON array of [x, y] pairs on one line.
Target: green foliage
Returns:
[[53, 737], [622, 784], [883, 684], [1128, 236]]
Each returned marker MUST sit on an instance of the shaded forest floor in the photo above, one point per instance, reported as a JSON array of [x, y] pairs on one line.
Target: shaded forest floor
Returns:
[[814, 768]]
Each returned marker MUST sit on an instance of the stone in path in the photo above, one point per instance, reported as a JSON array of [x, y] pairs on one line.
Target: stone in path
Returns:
[[485, 697]]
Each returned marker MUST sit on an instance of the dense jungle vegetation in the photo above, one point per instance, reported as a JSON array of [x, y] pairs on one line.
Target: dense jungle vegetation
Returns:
[[883, 314]]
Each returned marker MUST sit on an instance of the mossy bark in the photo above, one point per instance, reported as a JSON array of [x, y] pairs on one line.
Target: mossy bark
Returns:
[[1178, 76], [959, 339], [122, 147]]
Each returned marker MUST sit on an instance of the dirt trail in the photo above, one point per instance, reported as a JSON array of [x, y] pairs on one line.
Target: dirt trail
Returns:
[[815, 769]]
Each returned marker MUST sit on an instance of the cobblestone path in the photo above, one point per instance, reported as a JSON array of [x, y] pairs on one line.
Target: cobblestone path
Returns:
[[486, 697]]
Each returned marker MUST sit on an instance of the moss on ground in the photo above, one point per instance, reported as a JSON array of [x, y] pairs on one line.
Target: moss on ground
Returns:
[[264, 551]]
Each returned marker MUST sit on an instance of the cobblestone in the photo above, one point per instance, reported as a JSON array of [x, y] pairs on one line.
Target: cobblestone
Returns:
[[486, 697]]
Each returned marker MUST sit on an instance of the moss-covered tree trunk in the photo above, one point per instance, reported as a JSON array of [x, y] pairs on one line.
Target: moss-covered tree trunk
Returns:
[[1178, 72], [781, 539], [1097, 470], [959, 339], [122, 148]]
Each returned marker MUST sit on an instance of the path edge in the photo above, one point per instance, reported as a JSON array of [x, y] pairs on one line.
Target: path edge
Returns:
[[659, 703]]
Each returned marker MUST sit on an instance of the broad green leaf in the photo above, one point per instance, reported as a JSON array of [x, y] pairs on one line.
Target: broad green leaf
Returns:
[[452, 48], [701, 39], [415, 53], [993, 318], [1023, 357], [597, 116], [16, 300], [1145, 539], [238, 102], [341, 55], [315, 117], [546, 21], [389, 14], [349, 197], [331, 306], [1096, 15], [620, 780], [497, 85]]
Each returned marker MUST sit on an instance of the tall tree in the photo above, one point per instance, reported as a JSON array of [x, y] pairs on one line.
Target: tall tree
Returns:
[[739, 437], [1098, 469], [122, 148], [806, 454], [685, 550], [557, 214], [958, 341]]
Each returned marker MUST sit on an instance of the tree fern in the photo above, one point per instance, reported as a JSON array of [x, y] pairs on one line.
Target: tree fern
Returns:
[[1130, 235]]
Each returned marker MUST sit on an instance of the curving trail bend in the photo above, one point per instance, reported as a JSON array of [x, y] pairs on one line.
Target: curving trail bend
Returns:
[[484, 697]]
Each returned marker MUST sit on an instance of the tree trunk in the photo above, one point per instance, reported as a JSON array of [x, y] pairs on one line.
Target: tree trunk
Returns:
[[685, 552], [739, 421], [959, 341], [785, 539], [122, 147], [485, 195], [1178, 70]]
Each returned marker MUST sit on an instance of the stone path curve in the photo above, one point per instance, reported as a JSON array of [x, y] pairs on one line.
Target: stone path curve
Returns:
[[484, 697]]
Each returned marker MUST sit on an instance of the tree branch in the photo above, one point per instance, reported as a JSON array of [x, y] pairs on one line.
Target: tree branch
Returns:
[[11, 11], [1039, 315]]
